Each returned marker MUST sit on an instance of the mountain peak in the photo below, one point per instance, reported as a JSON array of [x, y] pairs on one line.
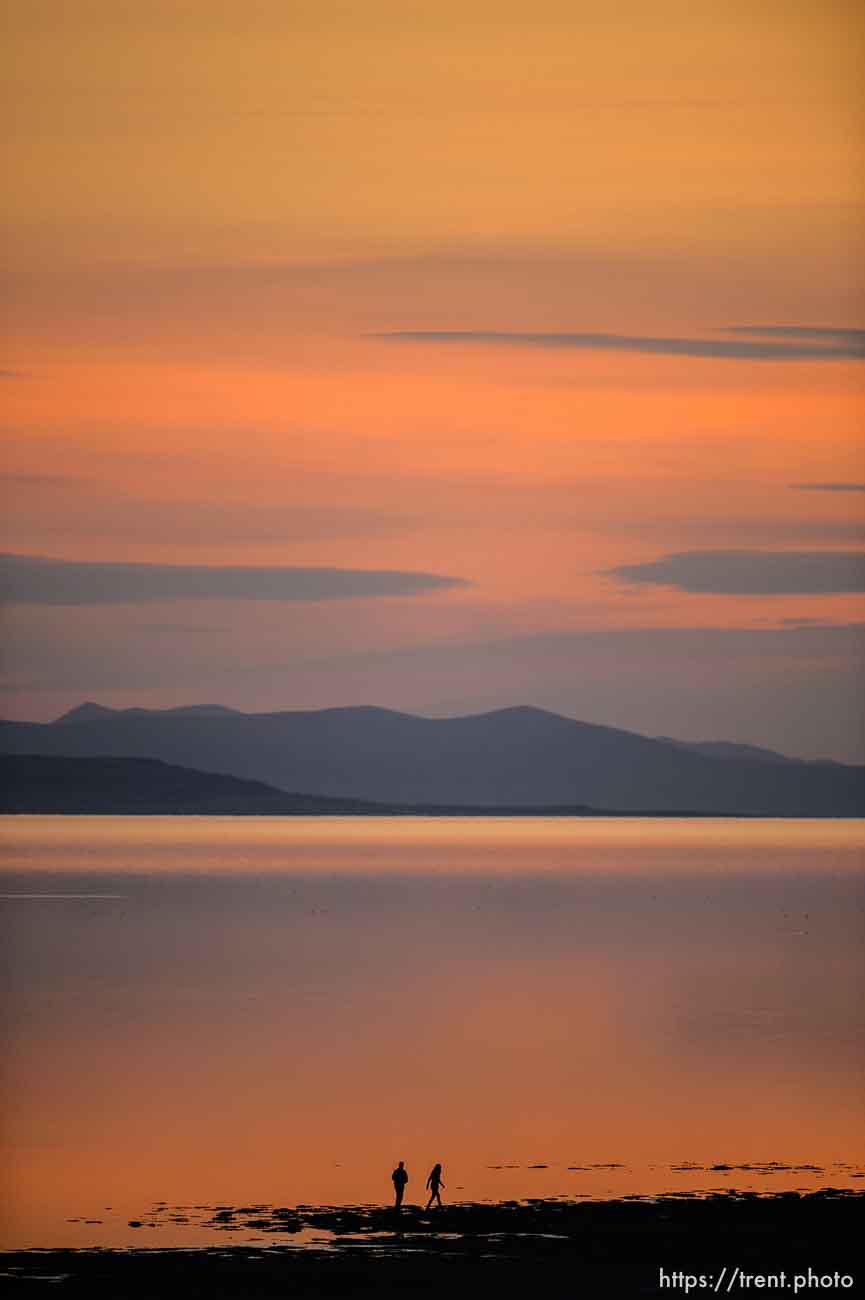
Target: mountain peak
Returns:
[[87, 712]]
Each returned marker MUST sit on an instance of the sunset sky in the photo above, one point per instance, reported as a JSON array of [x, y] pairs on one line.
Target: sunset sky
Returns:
[[544, 321]]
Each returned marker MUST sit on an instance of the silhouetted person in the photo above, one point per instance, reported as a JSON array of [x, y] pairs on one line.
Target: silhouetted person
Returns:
[[434, 1182], [400, 1178]]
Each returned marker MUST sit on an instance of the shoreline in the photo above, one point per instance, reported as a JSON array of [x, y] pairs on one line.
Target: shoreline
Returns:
[[624, 1247]]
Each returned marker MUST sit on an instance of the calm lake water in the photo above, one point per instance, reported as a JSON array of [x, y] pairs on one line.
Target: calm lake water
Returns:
[[217, 1011]]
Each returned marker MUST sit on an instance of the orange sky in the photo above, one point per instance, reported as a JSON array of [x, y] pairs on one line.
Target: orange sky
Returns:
[[217, 211]]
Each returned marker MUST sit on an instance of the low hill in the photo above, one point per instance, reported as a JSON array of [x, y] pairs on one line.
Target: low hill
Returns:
[[45, 784], [36, 783]]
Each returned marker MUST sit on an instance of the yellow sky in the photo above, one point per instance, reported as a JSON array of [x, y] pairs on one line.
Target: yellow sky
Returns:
[[177, 131]]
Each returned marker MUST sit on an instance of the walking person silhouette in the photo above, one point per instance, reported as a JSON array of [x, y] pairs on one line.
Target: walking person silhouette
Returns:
[[400, 1178], [434, 1182]]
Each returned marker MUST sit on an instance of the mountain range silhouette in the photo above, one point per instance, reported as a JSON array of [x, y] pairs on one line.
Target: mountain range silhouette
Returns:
[[514, 758]]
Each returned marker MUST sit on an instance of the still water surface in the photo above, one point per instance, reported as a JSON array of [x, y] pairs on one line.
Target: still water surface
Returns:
[[217, 1011]]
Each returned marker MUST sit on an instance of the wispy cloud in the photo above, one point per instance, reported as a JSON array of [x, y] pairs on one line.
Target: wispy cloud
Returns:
[[35, 580], [830, 334], [811, 345], [764, 573], [828, 487]]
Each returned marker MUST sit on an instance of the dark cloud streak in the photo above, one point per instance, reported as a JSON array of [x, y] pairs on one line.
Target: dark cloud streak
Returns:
[[828, 487], [745, 573], [34, 580], [833, 349], [834, 334]]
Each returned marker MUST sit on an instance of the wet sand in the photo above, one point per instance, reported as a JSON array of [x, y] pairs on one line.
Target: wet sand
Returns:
[[561, 1248]]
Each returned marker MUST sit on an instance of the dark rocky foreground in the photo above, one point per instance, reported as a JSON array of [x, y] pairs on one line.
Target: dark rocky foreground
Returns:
[[799, 1244]]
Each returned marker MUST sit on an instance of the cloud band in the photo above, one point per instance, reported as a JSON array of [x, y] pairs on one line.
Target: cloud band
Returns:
[[809, 345], [752, 573], [35, 580]]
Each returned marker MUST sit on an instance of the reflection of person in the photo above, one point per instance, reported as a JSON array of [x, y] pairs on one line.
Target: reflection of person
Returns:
[[434, 1182], [400, 1178]]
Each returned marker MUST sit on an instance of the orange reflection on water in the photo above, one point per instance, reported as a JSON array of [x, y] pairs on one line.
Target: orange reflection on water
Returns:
[[339, 994], [446, 844]]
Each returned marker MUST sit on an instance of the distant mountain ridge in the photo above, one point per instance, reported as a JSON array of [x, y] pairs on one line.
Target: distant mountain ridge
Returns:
[[90, 712], [516, 757], [730, 749]]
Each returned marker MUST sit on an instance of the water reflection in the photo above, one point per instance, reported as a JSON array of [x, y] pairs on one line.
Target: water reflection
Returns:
[[276, 1011]]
